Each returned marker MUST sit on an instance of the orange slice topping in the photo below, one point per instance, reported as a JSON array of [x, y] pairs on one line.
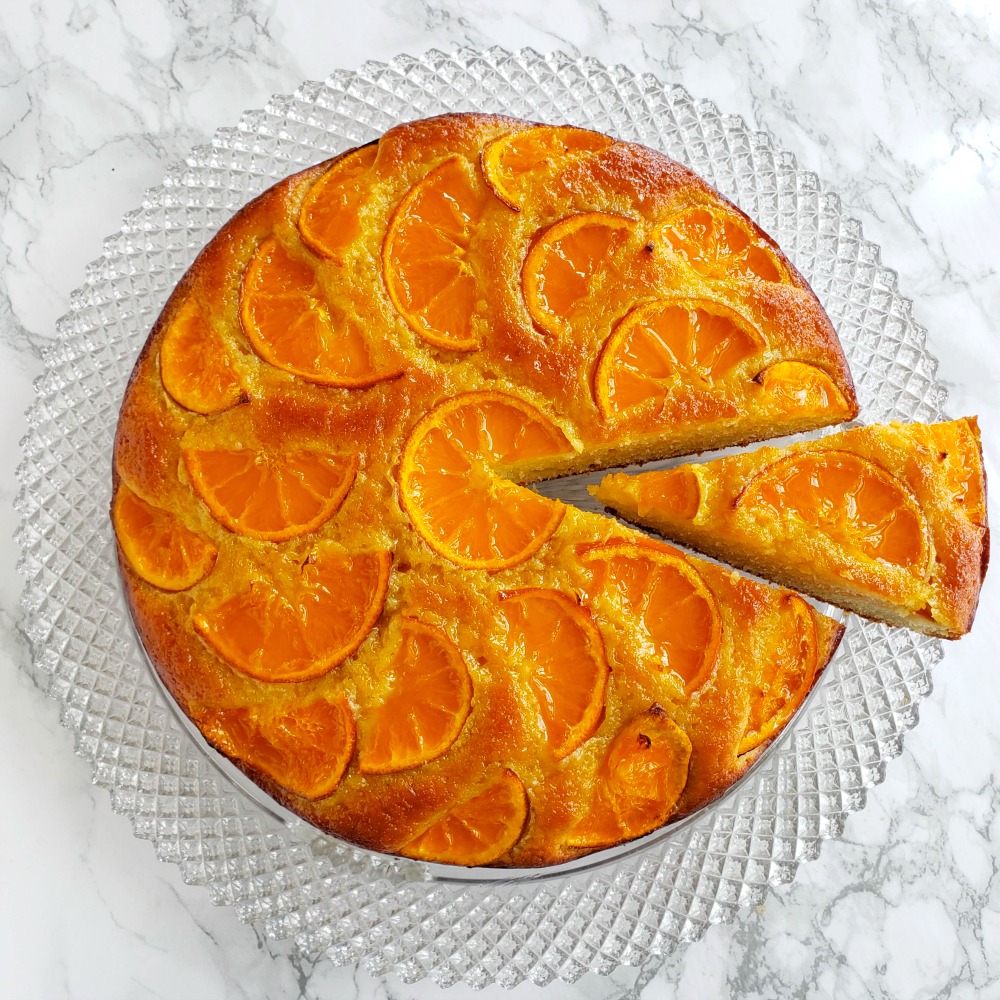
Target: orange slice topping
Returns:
[[306, 627], [293, 326], [665, 344], [426, 707], [797, 387], [673, 492], [305, 749], [786, 675], [194, 366], [157, 545], [427, 270], [270, 495], [556, 639], [851, 500], [519, 161], [722, 245], [573, 268], [328, 220], [638, 783], [676, 619], [960, 460], [451, 490], [478, 830]]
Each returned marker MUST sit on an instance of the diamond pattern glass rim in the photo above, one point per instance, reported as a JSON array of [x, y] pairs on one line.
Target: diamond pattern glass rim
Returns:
[[287, 878]]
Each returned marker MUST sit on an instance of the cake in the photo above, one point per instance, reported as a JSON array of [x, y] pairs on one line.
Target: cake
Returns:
[[888, 521], [324, 530]]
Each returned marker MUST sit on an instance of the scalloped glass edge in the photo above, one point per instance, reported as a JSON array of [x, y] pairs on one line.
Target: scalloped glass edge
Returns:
[[619, 908]]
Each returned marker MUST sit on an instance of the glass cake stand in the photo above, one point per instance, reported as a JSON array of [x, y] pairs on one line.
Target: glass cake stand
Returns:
[[475, 926]]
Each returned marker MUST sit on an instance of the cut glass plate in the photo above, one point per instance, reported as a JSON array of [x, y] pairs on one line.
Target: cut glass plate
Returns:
[[419, 920]]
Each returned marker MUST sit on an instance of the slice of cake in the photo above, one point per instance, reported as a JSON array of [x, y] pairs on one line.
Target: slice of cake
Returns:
[[888, 521]]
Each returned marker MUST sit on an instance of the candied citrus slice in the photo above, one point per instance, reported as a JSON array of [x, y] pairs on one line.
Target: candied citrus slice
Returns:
[[564, 652], [798, 387], [667, 343], [328, 220], [676, 492], [194, 366], [674, 611], [305, 629], [786, 675], [957, 445], [851, 500], [305, 749], [721, 245], [638, 783], [479, 829], [270, 495], [157, 545], [569, 268], [450, 489], [427, 704], [514, 163], [425, 260], [292, 325]]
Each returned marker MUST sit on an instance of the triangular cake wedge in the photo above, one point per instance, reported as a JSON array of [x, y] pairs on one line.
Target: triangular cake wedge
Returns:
[[888, 521]]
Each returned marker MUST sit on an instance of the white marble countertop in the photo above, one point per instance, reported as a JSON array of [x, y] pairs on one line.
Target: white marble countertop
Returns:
[[896, 106]]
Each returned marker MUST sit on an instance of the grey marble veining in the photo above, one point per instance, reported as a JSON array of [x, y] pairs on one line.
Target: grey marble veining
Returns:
[[895, 105]]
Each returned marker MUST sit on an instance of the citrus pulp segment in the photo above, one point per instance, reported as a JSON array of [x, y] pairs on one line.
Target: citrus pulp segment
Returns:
[[426, 705], [306, 628], [157, 544], [797, 387], [556, 640]]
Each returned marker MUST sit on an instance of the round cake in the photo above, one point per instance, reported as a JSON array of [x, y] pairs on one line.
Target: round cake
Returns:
[[324, 529]]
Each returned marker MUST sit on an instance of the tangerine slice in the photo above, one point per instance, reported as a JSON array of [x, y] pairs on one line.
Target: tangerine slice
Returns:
[[854, 502], [721, 245], [957, 445], [478, 830], [666, 343], [194, 366], [638, 783], [305, 630], [157, 545], [676, 492], [680, 624], [328, 220], [569, 268], [427, 705], [514, 163], [450, 489], [292, 325], [427, 271], [786, 675], [272, 496], [798, 387], [305, 749], [556, 638]]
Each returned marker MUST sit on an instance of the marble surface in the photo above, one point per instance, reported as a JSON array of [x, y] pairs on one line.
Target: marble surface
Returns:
[[896, 105]]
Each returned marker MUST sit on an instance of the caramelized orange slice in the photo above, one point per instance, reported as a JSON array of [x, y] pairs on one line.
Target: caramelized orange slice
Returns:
[[960, 460], [851, 500], [427, 704], [305, 749], [722, 245], [293, 326], [194, 366], [427, 271], [328, 220], [675, 614], [564, 652], [676, 492], [304, 629], [449, 485], [477, 830], [638, 783], [517, 162], [157, 545], [667, 343], [797, 387], [571, 267], [270, 495], [787, 674]]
